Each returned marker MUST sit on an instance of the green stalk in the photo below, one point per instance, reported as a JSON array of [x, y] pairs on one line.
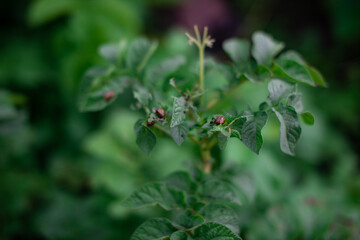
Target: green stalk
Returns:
[[201, 53], [202, 43], [201, 75]]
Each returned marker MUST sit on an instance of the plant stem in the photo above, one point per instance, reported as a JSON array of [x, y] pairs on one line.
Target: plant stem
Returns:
[[201, 75], [201, 42], [206, 156]]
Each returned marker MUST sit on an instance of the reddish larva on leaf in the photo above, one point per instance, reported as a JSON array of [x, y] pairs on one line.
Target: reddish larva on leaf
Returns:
[[109, 95], [220, 120], [149, 124], [160, 113]]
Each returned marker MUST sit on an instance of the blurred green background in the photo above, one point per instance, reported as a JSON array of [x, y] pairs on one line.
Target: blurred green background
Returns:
[[63, 174]]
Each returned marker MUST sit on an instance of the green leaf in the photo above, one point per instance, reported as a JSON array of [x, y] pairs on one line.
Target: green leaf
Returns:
[[265, 48], [213, 128], [238, 50], [293, 55], [222, 213], [235, 134], [237, 125], [145, 138], [139, 54], [113, 52], [308, 118], [181, 180], [317, 77], [138, 125], [95, 83], [164, 69], [142, 95], [214, 231], [290, 129], [217, 190], [223, 138], [179, 110], [154, 229], [155, 193], [251, 131], [292, 70], [278, 90], [188, 220], [295, 100], [179, 236], [179, 133]]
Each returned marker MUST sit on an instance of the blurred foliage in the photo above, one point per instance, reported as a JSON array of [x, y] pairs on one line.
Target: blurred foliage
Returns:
[[63, 174]]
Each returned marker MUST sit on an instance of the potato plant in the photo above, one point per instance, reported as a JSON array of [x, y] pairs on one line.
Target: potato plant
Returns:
[[176, 104]]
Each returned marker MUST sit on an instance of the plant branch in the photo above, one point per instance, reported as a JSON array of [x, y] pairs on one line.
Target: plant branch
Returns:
[[197, 33]]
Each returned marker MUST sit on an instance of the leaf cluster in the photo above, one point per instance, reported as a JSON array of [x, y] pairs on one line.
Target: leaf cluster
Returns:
[[206, 205], [256, 62]]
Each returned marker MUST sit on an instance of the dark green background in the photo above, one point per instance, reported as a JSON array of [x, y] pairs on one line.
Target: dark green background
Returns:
[[63, 173]]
